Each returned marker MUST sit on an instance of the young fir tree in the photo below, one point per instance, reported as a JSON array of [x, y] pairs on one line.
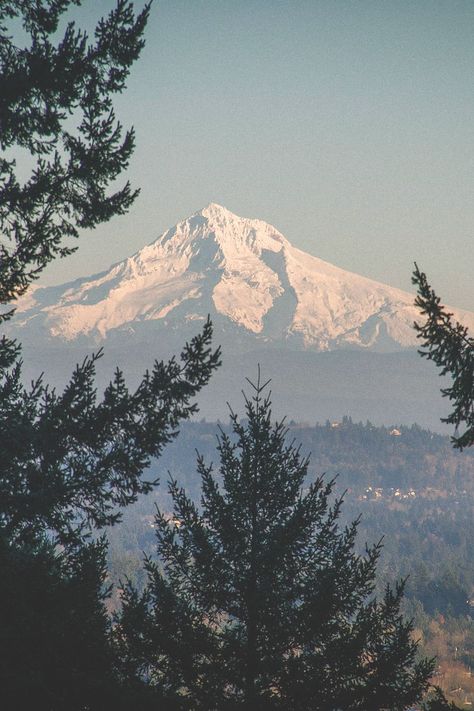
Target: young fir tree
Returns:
[[259, 600], [448, 344]]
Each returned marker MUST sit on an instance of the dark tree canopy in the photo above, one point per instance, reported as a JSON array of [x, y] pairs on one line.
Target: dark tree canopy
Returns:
[[54, 630], [438, 702], [258, 600], [56, 104], [69, 461], [448, 344]]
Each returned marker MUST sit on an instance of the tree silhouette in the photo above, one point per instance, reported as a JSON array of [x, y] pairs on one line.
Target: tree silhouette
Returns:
[[438, 702], [258, 599], [448, 344], [56, 105], [69, 461]]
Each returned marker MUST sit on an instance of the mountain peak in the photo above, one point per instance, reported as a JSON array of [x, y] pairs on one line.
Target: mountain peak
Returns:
[[214, 209], [244, 273]]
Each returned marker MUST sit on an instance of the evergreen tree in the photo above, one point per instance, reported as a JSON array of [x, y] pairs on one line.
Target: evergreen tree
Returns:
[[68, 461], [437, 702], [56, 105], [448, 344], [258, 599], [54, 629]]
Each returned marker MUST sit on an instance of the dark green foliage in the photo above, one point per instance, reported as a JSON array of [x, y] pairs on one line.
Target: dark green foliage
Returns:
[[53, 629], [70, 460], [56, 104], [448, 344], [259, 600], [441, 593], [438, 702]]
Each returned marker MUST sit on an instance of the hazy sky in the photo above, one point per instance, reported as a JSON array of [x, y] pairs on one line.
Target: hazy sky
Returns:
[[347, 125]]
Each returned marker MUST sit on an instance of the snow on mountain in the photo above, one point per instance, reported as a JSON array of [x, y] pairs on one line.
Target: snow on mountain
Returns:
[[245, 274]]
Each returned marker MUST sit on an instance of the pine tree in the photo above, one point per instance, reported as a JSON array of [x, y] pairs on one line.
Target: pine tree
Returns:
[[69, 461], [258, 599], [448, 344], [54, 629], [56, 105], [437, 702]]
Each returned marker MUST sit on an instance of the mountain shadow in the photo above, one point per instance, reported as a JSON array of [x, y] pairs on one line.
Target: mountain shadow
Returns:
[[277, 321]]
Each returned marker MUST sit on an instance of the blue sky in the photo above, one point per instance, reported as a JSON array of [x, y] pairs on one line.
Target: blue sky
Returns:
[[348, 125]]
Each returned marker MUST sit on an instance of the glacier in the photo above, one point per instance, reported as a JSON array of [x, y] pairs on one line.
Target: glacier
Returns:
[[245, 274]]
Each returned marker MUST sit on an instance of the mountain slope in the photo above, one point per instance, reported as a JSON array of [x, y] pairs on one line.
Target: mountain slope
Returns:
[[256, 286]]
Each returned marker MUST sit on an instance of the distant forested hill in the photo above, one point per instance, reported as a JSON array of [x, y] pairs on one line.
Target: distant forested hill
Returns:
[[409, 485], [361, 455]]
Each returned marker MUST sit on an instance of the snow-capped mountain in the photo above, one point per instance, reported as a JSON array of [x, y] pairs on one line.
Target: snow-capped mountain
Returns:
[[244, 273]]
